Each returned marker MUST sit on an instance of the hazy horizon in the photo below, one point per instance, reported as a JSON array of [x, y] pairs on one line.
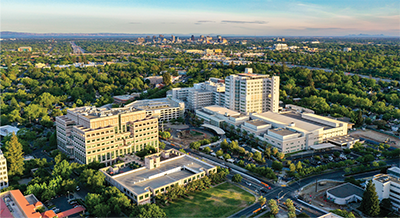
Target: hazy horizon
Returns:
[[239, 18]]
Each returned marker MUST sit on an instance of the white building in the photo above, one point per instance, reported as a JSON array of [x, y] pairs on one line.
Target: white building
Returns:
[[347, 49], [292, 132], [280, 46], [248, 92], [3, 171], [7, 129], [162, 108], [203, 94], [257, 127], [388, 186], [344, 194], [216, 115]]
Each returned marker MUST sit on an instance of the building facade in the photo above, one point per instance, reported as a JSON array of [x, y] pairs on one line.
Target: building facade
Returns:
[[248, 92], [3, 171], [388, 186], [88, 133]]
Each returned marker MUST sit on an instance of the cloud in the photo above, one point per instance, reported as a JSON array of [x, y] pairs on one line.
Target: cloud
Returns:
[[205, 21], [244, 22], [134, 23], [319, 29]]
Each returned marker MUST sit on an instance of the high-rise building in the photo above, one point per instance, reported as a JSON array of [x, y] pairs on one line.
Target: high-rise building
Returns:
[[140, 40], [161, 36], [219, 38], [248, 92], [90, 134], [192, 38], [3, 171], [172, 38], [387, 186]]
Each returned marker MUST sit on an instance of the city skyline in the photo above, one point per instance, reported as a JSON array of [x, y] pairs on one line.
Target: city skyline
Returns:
[[255, 18]]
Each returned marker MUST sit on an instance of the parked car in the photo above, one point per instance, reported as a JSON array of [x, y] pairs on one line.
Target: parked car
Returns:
[[77, 188]]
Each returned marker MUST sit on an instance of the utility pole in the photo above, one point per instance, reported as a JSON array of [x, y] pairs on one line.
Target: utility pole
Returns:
[[316, 185]]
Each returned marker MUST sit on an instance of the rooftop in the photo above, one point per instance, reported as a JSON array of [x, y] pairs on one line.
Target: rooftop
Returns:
[[342, 140], [288, 118], [346, 190], [5, 130], [221, 110], [257, 122], [282, 132], [169, 171], [124, 97]]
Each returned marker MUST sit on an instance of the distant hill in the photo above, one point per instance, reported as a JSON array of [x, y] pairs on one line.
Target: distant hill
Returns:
[[9, 34]]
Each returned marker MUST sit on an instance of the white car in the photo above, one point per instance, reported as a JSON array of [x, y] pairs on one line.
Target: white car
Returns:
[[248, 183]]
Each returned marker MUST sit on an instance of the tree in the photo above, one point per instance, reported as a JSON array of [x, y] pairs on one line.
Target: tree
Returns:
[[227, 156], [280, 155], [149, 211], [101, 210], [219, 153], [299, 166], [386, 204], [207, 150], [14, 156], [262, 200], [167, 78], [303, 215], [224, 144], [292, 167], [92, 200], [276, 165], [161, 145], [62, 169], [343, 213], [370, 202], [237, 178], [273, 206], [274, 151], [94, 180]]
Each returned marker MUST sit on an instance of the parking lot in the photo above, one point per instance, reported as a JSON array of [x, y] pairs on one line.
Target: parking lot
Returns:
[[61, 203]]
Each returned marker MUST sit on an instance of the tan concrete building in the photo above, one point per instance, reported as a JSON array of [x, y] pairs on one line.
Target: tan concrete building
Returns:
[[88, 133]]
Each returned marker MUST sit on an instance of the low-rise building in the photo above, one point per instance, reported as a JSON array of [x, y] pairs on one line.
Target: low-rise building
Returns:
[[27, 48], [216, 115], [344, 194], [7, 129], [280, 46], [292, 131], [164, 170], [257, 127], [164, 109], [121, 99]]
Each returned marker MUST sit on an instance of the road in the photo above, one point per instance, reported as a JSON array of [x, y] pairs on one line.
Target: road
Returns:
[[76, 49]]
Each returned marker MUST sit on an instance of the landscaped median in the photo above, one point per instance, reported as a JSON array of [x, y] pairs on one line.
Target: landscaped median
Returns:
[[220, 201]]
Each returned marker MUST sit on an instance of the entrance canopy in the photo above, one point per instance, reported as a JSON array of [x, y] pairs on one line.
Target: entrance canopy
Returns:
[[218, 130], [322, 146]]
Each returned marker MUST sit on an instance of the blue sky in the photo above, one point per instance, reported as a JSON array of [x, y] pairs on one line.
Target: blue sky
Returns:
[[246, 17]]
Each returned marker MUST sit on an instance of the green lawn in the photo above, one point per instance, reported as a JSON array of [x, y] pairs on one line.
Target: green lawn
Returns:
[[221, 201]]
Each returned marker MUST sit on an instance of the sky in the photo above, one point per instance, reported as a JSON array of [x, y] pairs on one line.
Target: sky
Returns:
[[224, 17]]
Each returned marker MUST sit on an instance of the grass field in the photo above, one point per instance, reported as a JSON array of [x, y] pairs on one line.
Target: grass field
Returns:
[[221, 201], [194, 133]]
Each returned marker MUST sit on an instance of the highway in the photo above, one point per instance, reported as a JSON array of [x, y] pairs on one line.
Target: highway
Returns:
[[76, 49]]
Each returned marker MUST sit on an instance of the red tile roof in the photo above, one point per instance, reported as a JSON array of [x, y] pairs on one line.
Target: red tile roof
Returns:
[[49, 214], [71, 212], [4, 211], [28, 209]]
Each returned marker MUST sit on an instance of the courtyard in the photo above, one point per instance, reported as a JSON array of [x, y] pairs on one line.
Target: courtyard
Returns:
[[220, 201]]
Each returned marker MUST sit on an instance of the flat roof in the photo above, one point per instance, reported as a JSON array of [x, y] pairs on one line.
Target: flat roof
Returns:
[[288, 118], [222, 110], [322, 146], [138, 180], [124, 97], [282, 132], [5, 130], [346, 190], [342, 140], [257, 122]]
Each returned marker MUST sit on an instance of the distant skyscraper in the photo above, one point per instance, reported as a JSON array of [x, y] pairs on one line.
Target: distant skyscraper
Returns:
[[161, 36], [192, 38], [219, 38], [172, 38], [154, 38]]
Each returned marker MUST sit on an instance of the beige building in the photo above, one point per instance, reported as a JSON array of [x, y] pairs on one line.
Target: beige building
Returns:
[[162, 171], [216, 115], [88, 133], [248, 92], [3, 171]]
